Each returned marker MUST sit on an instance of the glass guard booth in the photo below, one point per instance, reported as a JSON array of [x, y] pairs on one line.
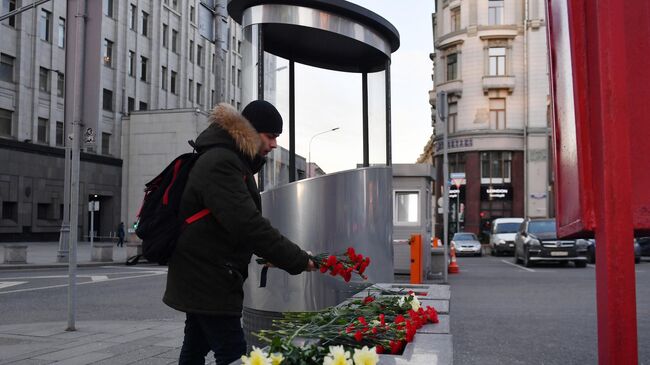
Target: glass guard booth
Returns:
[[292, 53]]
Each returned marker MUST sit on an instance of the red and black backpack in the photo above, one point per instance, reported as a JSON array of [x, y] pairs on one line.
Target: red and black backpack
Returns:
[[158, 223]]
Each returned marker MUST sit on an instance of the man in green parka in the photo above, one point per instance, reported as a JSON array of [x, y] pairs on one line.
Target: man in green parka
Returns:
[[210, 263]]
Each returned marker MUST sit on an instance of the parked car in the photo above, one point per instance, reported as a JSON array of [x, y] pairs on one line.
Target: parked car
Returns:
[[466, 243], [591, 250], [502, 235], [644, 245], [536, 241]]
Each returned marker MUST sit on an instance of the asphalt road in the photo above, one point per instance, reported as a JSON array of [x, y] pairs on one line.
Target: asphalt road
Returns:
[[103, 293], [503, 313]]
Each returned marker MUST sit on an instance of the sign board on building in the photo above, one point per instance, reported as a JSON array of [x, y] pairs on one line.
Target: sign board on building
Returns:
[[496, 192], [93, 206]]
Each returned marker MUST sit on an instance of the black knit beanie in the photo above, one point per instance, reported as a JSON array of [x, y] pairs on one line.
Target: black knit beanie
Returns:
[[263, 116]]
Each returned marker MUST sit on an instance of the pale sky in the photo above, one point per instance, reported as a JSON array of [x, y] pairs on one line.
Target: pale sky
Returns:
[[328, 99]]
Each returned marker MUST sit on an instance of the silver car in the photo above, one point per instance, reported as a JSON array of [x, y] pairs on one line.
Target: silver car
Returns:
[[466, 243]]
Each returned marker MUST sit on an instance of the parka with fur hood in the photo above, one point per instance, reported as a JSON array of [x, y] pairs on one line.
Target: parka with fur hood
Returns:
[[210, 263]]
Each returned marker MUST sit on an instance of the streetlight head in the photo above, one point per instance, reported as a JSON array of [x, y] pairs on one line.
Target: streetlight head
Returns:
[[333, 129]]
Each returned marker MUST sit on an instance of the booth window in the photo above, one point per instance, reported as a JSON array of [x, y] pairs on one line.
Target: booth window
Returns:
[[498, 113], [406, 208]]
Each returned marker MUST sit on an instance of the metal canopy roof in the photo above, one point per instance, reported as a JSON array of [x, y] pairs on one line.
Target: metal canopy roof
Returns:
[[329, 34]]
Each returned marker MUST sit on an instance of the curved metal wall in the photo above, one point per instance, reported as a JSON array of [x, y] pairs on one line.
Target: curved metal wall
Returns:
[[327, 214]]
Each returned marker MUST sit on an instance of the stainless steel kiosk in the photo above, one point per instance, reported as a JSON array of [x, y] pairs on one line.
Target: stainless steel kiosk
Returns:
[[331, 212]]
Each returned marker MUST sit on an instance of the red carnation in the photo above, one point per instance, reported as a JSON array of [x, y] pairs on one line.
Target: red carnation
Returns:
[[358, 336], [368, 299], [379, 349]]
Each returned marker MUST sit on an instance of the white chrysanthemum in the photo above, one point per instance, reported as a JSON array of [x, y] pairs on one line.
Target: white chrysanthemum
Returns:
[[256, 357], [276, 359], [415, 303], [337, 356], [365, 356], [400, 301], [375, 323]]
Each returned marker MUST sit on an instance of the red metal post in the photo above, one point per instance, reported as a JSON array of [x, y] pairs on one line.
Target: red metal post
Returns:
[[607, 53]]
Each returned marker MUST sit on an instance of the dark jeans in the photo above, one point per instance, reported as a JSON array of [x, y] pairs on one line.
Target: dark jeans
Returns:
[[221, 334]]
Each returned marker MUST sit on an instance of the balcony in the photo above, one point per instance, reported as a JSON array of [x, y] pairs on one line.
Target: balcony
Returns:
[[498, 83]]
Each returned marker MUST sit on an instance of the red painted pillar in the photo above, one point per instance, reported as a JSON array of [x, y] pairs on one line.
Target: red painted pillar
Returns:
[[607, 101]]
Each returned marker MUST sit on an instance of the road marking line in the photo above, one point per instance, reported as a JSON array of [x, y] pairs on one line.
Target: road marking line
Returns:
[[517, 266], [98, 277], [6, 284], [83, 275], [89, 282]]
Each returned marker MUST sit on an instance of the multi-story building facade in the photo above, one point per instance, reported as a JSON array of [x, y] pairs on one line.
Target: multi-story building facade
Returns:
[[150, 56], [491, 59]]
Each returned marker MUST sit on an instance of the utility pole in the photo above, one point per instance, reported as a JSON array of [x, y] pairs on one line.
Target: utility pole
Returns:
[[441, 108], [74, 70]]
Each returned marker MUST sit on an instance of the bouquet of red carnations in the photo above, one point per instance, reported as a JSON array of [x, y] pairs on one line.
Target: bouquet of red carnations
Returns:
[[342, 264]]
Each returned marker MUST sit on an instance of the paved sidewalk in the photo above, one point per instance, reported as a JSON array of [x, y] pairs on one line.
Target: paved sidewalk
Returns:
[[44, 255]]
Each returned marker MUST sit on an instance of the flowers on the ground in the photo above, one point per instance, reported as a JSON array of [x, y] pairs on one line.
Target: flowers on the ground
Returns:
[[365, 327], [337, 356], [365, 356], [276, 359], [256, 357]]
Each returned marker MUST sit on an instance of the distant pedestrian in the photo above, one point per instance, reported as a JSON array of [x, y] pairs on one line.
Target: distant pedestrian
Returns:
[[120, 234]]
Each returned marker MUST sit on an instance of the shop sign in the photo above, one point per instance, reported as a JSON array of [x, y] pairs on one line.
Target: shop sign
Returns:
[[455, 143], [496, 192]]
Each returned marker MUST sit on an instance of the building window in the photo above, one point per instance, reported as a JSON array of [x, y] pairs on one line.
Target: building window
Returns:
[[43, 131], [60, 40], [174, 40], [60, 132], [131, 61], [9, 211], [497, 63], [239, 47], [190, 90], [495, 12], [239, 106], [455, 19], [172, 83], [163, 78], [44, 25], [191, 52], [213, 97], [44, 80], [452, 118], [238, 78], [130, 104], [199, 93], [145, 24], [175, 4], [6, 119], [456, 162], [9, 6], [452, 66], [6, 68], [107, 100], [133, 16], [44, 211], [232, 74], [498, 113], [164, 35], [214, 63], [108, 8], [106, 144], [143, 105], [199, 55], [143, 68], [60, 84], [108, 53], [192, 14], [495, 167], [407, 207]]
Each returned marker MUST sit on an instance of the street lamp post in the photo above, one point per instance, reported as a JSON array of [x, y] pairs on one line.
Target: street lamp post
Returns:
[[309, 155]]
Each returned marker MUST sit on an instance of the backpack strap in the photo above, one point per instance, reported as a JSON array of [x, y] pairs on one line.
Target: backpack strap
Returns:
[[196, 216]]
